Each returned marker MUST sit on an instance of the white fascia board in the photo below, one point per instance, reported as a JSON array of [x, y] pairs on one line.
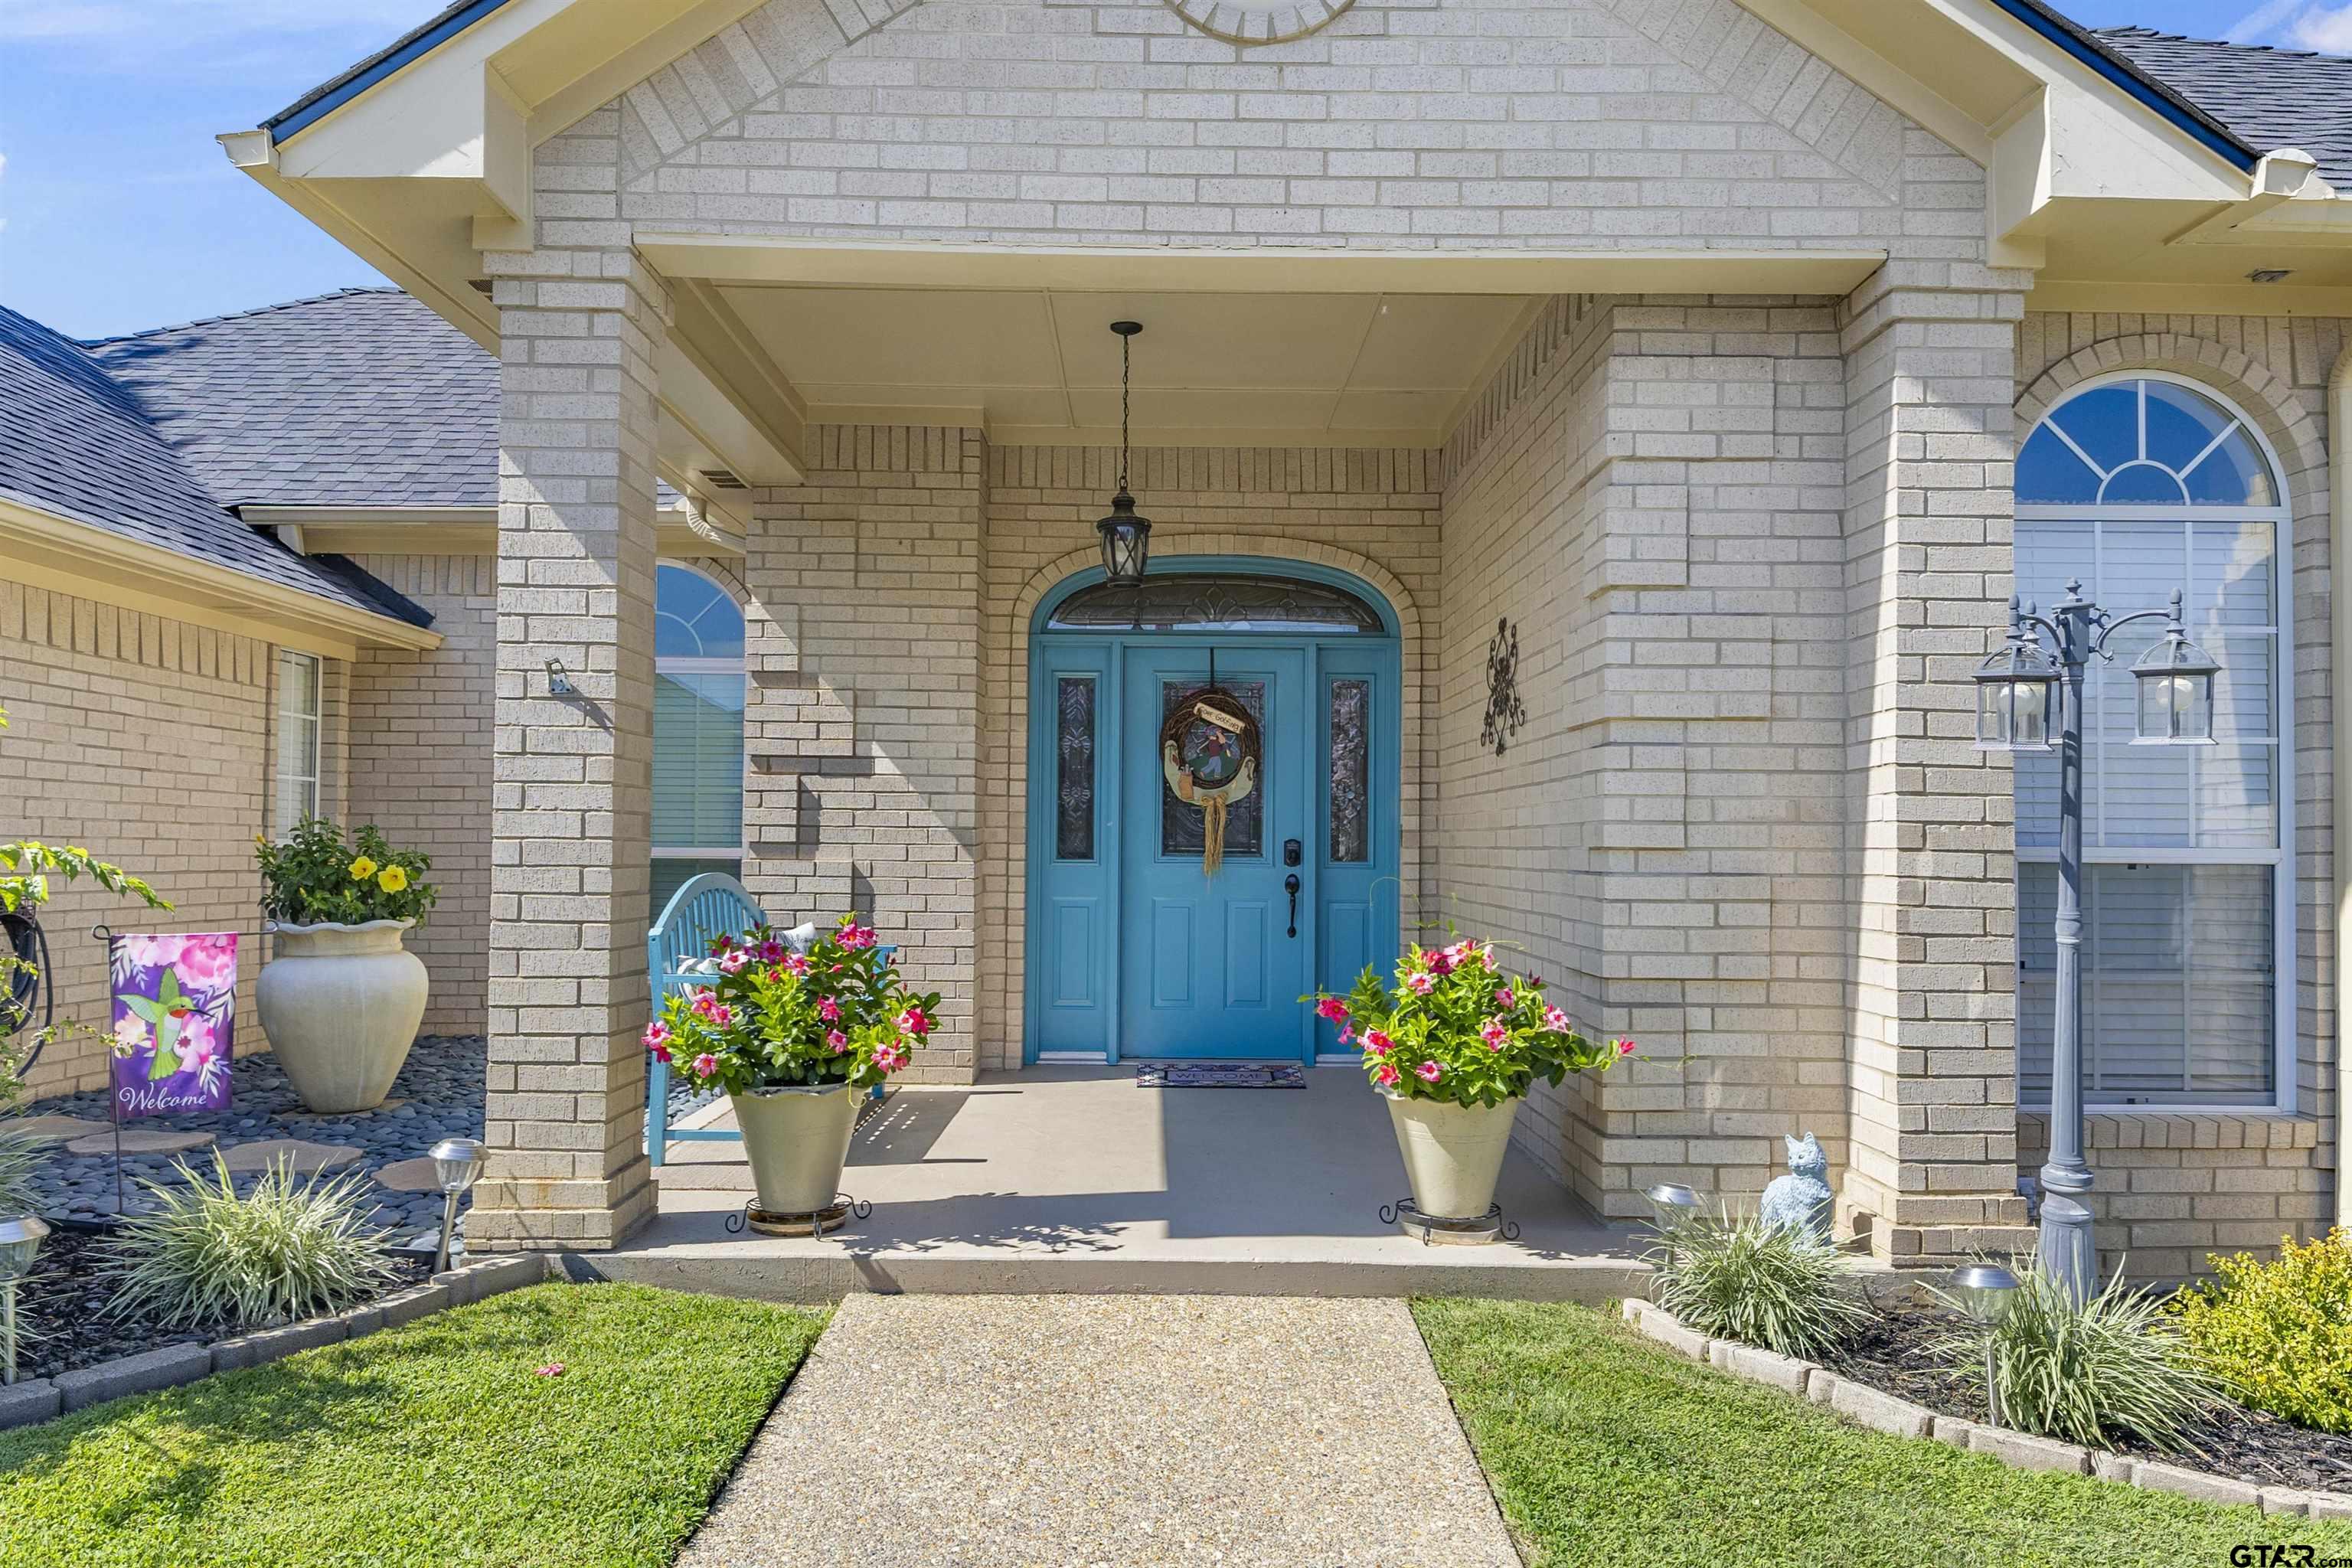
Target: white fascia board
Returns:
[[453, 118]]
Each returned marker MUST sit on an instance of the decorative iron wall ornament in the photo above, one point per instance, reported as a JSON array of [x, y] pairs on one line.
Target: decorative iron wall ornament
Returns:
[[1505, 711], [1209, 750]]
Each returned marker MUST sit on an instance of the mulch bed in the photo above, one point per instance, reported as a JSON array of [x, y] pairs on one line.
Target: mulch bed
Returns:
[[60, 1321], [2243, 1445]]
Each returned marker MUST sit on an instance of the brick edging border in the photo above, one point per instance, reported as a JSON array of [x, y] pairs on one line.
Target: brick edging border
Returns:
[[40, 1399], [1871, 1407]]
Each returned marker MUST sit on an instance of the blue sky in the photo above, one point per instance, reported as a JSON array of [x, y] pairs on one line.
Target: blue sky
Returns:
[[118, 211]]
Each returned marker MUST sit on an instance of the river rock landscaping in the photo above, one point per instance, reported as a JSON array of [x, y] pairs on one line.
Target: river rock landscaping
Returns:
[[437, 1095], [1890, 1354]]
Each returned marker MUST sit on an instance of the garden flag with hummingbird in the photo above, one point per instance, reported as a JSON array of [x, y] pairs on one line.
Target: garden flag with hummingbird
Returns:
[[174, 1021]]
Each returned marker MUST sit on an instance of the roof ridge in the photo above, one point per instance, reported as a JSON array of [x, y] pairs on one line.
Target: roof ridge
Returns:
[[240, 315]]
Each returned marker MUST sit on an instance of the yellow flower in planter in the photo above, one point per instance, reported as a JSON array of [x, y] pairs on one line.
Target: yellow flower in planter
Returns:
[[362, 869], [393, 881]]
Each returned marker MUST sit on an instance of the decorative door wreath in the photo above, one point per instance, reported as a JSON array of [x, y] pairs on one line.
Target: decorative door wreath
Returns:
[[1209, 750]]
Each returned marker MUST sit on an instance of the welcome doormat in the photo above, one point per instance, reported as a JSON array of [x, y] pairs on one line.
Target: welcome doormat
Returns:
[[1218, 1075]]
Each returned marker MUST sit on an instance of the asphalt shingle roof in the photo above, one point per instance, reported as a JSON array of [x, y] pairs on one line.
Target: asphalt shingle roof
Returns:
[[78, 445], [2268, 99], [361, 398]]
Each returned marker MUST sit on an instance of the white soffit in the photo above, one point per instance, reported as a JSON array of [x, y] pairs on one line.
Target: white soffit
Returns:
[[1042, 365]]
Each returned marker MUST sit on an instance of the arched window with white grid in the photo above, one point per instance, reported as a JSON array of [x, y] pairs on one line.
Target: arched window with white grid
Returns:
[[699, 689], [2138, 484]]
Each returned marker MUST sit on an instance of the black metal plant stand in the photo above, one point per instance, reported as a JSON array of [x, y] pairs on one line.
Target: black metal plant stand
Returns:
[[1443, 1230], [832, 1217]]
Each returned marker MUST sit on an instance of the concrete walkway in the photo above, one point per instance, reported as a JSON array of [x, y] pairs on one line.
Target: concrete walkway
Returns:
[[1071, 1431]]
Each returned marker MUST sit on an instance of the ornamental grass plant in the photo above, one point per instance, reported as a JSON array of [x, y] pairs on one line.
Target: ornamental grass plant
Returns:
[[316, 877], [2278, 1335], [1777, 1287], [2084, 1371], [20, 1157], [206, 1257]]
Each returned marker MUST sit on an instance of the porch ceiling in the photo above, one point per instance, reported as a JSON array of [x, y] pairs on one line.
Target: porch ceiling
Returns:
[[1040, 366]]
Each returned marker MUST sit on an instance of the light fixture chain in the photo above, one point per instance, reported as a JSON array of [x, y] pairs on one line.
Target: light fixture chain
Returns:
[[1125, 344]]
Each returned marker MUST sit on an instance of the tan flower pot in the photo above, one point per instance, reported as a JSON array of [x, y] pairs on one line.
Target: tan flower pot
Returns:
[[1453, 1153], [797, 1140], [340, 1006]]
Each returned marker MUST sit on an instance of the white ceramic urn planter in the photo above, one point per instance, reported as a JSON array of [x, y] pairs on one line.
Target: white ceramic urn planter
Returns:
[[341, 1004], [1453, 1153], [797, 1139]]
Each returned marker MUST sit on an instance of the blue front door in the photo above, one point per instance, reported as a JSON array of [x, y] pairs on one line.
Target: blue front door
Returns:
[[1214, 966], [1133, 950]]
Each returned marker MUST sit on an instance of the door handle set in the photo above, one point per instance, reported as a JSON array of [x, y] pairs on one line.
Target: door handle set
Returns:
[[1291, 886]]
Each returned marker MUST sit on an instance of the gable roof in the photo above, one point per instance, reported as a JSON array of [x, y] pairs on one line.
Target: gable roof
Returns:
[[360, 398], [2268, 98], [81, 446]]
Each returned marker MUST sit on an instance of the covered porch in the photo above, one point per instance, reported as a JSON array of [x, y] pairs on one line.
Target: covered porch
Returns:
[[1070, 1178]]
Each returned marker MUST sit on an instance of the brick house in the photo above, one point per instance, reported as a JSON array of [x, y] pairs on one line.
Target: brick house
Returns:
[[1703, 373]]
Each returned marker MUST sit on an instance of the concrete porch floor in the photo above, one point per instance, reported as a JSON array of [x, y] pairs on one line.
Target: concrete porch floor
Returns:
[[1074, 1179]]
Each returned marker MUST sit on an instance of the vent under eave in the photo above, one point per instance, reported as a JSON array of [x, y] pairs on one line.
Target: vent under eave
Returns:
[[720, 478]]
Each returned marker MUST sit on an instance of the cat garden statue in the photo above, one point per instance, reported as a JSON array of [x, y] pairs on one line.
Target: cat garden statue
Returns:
[[1800, 1199]]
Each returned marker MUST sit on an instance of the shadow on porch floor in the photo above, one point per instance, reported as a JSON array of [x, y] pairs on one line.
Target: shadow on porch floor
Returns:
[[1074, 1179]]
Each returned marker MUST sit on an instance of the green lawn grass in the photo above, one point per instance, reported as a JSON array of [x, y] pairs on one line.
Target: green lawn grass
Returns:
[[1603, 1448], [434, 1444]]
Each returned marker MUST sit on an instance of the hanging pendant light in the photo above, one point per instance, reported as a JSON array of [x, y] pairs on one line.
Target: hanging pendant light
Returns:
[[1126, 535]]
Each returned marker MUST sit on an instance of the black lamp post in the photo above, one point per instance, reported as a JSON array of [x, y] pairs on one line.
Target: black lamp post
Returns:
[[1126, 535], [2016, 690]]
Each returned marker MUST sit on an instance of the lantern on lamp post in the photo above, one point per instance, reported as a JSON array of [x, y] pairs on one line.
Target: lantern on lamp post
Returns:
[[2020, 691]]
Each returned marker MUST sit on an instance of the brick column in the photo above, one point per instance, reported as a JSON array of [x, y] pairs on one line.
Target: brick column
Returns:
[[1930, 352], [571, 794]]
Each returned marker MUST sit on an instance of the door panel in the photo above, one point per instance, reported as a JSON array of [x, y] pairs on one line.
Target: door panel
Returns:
[[1355, 720], [1074, 728], [1210, 969]]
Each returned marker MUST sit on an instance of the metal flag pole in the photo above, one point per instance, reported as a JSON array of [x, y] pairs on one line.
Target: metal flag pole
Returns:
[[114, 1095]]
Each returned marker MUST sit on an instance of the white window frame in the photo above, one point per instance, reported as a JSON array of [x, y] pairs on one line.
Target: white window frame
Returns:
[[676, 666], [2280, 857], [281, 775]]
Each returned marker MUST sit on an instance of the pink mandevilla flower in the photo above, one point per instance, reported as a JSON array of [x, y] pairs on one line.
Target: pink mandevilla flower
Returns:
[[1555, 1021], [661, 1054], [723, 1015], [1624, 1048], [1387, 1076], [732, 961], [772, 952], [796, 963], [1503, 998], [1332, 1009], [705, 1064], [856, 936], [1496, 1033], [657, 1033], [1378, 1043], [837, 1040], [1441, 961], [915, 1021], [889, 1059], [1429, 1072], [829, 1010], [1419, 985], [1347, 1033]]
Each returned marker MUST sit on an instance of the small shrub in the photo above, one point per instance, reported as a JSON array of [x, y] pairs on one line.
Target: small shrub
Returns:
[[204, 1257], [1772, 1286], [2085, 1371], [2279, 1335], [318, 877], [20, 1157]]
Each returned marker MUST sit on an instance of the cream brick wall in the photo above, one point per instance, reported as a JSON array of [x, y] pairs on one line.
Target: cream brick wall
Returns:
[[420, 744], [147, 742], [2172, 1187], [862, 723], [1652, 497], [1405, 124]]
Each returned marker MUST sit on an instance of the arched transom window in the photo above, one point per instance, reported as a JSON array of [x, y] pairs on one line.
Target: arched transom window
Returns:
[[698, 687], [2140, 485]]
